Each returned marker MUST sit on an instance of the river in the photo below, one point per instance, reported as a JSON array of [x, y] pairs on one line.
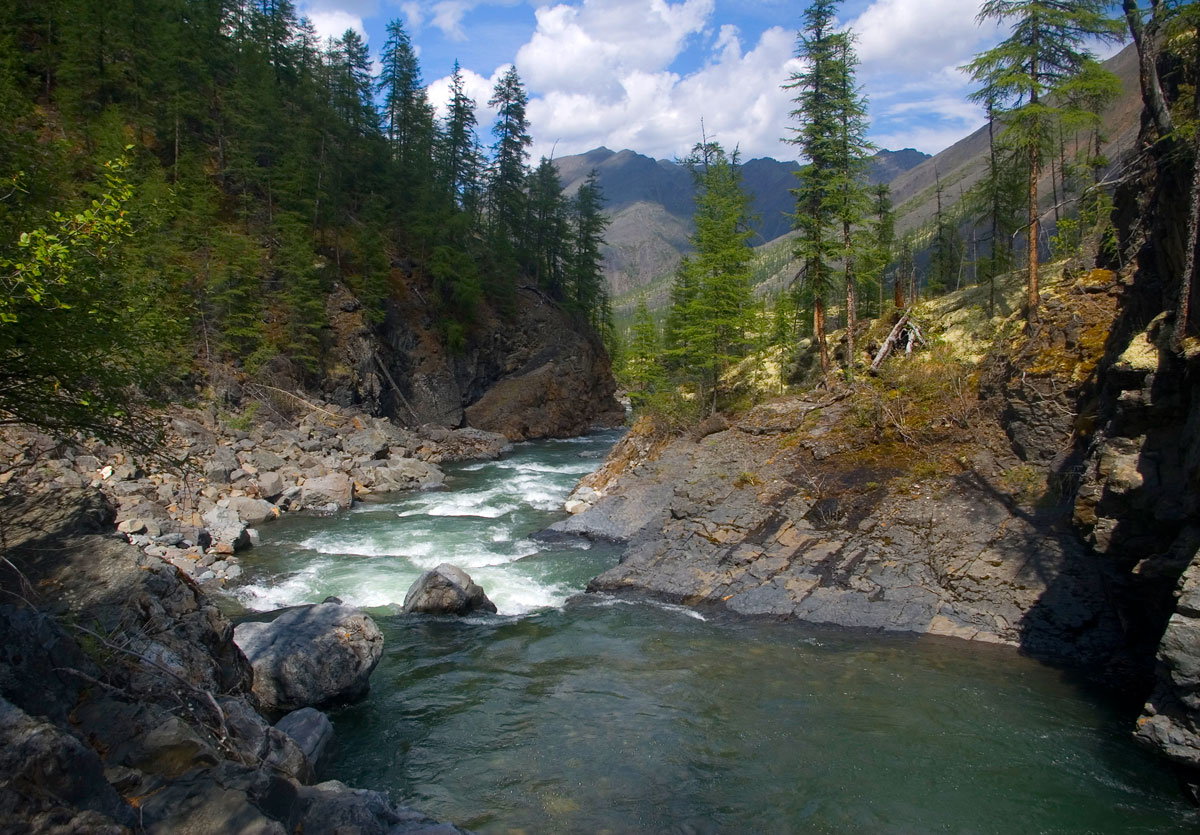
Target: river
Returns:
[[586, 713]]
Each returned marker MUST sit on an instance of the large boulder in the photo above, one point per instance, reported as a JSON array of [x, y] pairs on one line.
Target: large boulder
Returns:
[[311, 656], [335, 491], [253, 511], [224, 525], [311, 730], [446, 590]]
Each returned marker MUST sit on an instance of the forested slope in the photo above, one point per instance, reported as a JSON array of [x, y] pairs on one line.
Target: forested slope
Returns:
[[261, 181]]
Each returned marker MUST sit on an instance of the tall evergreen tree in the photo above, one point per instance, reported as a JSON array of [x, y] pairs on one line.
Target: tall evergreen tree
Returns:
[[585, 268], [712, 303], [850, 195], [407, 114], [506, 186], [458, 157], [819, 90], [1029, 74]]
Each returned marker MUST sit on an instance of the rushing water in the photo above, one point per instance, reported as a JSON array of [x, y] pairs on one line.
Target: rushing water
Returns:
[[570, 713]]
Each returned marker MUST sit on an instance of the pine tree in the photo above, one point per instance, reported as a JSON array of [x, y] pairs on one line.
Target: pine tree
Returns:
[[643, 370], [585, 267], [1029, 74], [506, 185], [852, 152], [548, 233], [407, 114], [712, 300], [819, 87], [457, 154]]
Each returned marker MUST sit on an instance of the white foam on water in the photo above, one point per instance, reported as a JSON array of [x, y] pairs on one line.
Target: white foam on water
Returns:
[[608, 602]]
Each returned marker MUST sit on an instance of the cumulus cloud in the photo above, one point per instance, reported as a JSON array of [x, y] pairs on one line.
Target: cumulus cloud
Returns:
[[333, 23], [477, 87], [602, 72]]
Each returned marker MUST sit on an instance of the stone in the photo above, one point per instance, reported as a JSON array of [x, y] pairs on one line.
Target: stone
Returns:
[[270, 485], [132, 526], [311, 656], [253, 511], [335, 489], [225, 526], [47, 770], [311, 730], [446, 590]]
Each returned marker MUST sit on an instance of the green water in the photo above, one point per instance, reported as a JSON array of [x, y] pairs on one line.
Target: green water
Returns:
[[583, 713]]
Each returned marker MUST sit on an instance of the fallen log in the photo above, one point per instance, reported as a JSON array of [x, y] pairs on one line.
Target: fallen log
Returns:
[[889, 343]]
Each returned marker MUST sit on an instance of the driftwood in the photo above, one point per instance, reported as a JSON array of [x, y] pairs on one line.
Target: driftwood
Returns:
[[889, 343], [904, 326]]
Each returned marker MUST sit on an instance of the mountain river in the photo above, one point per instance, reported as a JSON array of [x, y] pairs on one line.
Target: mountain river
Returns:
[[585, 713]]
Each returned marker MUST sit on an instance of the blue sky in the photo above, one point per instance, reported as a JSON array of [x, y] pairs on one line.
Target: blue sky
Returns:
[[641, 74]]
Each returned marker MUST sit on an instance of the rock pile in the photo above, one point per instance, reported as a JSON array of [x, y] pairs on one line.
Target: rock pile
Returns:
[[126, 706], [237, 477]]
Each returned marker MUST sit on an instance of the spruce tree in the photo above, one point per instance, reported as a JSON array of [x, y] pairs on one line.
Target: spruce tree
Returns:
[[850, 194], [819, 91], [506, 184], [585, 266], [1029, 75]]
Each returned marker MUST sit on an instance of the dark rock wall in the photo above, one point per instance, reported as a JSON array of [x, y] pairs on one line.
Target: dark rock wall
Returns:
[[539, 373]]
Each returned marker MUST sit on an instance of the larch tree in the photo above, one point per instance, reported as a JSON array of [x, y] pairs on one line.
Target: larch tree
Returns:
[[850, 193], [818, 92], [711, 301], [1028, 75], [506, 186]]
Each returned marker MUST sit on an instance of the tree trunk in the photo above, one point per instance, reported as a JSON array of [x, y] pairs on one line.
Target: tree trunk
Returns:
[[851, 298], [1188, 278], [1031, 285], [897, 291], [1146, 40], [819, 331]]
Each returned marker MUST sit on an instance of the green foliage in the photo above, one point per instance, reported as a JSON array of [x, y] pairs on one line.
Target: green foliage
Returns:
[[831, 198], [711, 300], [77, 336]]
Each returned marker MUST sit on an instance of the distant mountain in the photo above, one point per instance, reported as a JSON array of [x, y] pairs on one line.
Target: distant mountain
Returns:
[[650, 205]]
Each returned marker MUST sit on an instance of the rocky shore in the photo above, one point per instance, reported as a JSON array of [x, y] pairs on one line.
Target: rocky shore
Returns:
[[127, 701], [1035, 490], [202, 499], [126, 706]]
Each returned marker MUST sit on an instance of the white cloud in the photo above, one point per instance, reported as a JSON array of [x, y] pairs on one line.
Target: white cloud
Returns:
[[917, 36], [448, 16], [602, 74], [414, 16], [333, 23]]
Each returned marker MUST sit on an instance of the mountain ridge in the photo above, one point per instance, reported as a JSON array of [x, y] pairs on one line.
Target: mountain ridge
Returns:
[[650, 203]]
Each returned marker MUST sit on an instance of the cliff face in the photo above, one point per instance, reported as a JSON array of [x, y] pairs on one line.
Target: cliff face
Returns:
[[537, 374]]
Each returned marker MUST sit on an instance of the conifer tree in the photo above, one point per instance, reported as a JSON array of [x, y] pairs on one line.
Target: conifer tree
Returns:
[[643, 360], [458, 157], [711, 301], [819, 90], [506, 186], [585, 268], [407, 114], [548, 232], [851, 154], [1029, 75]]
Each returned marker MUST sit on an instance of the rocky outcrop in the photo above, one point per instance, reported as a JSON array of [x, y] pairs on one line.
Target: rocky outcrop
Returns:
[[446, 590], [125, 705], [760, 520], [321, 460], [311, 656], [537, 373]]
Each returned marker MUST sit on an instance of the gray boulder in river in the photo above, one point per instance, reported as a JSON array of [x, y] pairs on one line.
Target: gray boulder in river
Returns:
[[446, 590], [311, 656]]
